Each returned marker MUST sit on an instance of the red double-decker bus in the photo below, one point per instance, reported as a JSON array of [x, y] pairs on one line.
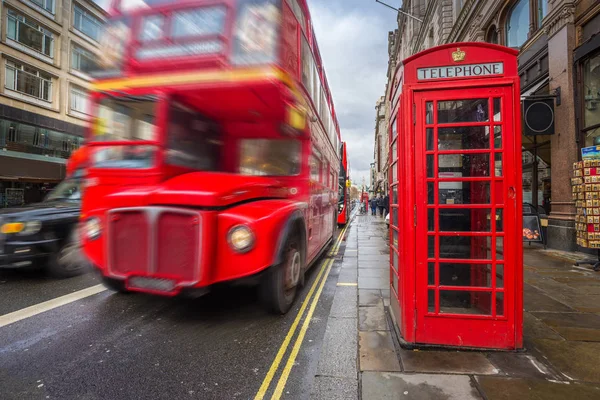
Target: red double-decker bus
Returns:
[[343, 195], [213, 149]]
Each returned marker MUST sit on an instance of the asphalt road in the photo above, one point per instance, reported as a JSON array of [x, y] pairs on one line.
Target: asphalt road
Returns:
[[116, 346]]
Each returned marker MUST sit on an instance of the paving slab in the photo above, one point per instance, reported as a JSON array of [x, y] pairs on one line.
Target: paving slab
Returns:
[[447, 362], [329, 388], [338, 354], [396, 386], [502, 388], [533, 328], [575, 360], [369, 297], [377, 352], [372, 259], [348, 276], [372, 319], [373, 283], [570, 320], [374, 272], [536, 300], [520, 366], [344, 302]]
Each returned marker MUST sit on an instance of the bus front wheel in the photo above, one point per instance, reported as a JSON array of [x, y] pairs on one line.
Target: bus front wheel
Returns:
[[279, 285]]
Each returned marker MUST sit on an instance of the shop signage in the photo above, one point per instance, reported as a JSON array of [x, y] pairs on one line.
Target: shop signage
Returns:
[[460, 71]]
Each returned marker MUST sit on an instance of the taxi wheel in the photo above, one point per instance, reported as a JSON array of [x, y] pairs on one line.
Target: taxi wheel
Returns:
[[116, 285], [280, 283], [68, 260]]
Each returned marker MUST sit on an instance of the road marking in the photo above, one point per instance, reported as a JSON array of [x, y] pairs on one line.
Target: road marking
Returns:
[[288, 338], [292, 359], [36, 309], [347, 284]]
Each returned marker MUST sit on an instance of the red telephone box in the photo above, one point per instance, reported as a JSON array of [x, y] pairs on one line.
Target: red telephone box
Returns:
[[456, 259]]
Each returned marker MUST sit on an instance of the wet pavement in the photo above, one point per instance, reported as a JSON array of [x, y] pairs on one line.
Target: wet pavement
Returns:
[[119, 346], [561, 335]]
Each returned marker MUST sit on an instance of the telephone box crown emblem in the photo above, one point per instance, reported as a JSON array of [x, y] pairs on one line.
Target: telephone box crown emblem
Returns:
[[458, 55]]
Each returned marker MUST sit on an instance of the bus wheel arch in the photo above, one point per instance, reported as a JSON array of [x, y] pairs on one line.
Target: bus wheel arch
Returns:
[[279, 284]]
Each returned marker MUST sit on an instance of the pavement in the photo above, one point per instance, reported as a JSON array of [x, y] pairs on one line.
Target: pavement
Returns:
[[561, 335], [71, 339]]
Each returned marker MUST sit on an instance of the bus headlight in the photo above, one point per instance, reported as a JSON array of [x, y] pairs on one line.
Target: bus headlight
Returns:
[[241, 238], [93, 228]]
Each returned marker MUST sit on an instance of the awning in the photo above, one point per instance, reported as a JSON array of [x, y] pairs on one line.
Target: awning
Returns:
[[534, 88]]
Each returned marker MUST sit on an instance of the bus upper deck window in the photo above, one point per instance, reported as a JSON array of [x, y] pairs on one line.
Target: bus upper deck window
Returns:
[[256, 31], [270, 157]]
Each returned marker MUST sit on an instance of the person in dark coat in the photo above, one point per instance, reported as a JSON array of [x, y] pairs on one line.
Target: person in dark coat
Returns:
[[386, 204], [380, 204], [373, 204]]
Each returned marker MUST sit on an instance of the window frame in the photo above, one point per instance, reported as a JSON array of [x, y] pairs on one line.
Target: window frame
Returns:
[[82, 92], [90, 16], [80, 50], [14, 15], [43, 7], [14, 66]]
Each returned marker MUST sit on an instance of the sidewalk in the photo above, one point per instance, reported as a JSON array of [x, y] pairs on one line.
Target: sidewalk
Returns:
[[361, 357]]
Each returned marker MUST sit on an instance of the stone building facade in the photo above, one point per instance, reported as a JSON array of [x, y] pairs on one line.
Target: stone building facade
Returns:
[[559, 44], [379, 170], [47, 48]]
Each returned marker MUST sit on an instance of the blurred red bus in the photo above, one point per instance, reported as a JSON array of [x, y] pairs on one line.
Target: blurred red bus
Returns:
[[343, 195], [213, 149]]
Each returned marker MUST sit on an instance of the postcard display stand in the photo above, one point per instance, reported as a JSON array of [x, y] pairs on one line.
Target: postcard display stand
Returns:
[[586, 194]]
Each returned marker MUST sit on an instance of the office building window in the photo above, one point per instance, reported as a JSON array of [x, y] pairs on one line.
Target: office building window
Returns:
[[28, 80], [82, 59], [27, 32], [86, 23], [47, 5], [517, 25], [79, 100]]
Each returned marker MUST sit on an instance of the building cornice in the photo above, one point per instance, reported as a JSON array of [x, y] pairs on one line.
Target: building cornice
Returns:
[[558, 18]]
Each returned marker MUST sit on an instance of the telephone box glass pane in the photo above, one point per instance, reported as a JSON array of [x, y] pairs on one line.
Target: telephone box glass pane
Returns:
[[429, 136], [431, 246], [464, 247], [472, 110], [499, 303], [500, 248], [395, 238], [430, 166], [457, 274], [430, 193], [431, 220], [464, 193], [499, 275], [498, 164], [395, 194], [497, 137], [465, 165], [431, 301], [429, 112], [499, 221], [465, 302], [431, 273], [464, 220], [395, 261], [497, 113], [464, 138]]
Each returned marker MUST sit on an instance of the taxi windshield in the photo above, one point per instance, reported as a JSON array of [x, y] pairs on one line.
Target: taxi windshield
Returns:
[[125, 118], [69, 190]]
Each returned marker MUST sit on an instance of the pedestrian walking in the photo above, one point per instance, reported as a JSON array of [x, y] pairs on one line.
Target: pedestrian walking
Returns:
[[373, 204], [386, 204], [380, 204]]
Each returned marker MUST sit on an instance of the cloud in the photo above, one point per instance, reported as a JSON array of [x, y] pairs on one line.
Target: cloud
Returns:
[[352, 38]]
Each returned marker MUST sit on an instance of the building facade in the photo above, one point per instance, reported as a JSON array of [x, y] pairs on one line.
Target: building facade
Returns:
[[559, 44], [47, 49], [379, 171]]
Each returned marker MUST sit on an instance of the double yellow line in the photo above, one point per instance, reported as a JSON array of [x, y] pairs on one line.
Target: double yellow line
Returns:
[[318, 285]]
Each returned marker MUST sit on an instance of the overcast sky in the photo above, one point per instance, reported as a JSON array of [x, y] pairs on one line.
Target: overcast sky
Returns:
[[352, 37]]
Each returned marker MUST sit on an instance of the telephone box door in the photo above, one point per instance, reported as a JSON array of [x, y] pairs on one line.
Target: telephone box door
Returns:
[[465, 202]]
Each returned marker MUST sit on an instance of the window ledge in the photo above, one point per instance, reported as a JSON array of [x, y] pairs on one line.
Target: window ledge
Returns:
[[27, 50], [78, 115], [41, 10], [28, 99], [83, 36], [80, 75]]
